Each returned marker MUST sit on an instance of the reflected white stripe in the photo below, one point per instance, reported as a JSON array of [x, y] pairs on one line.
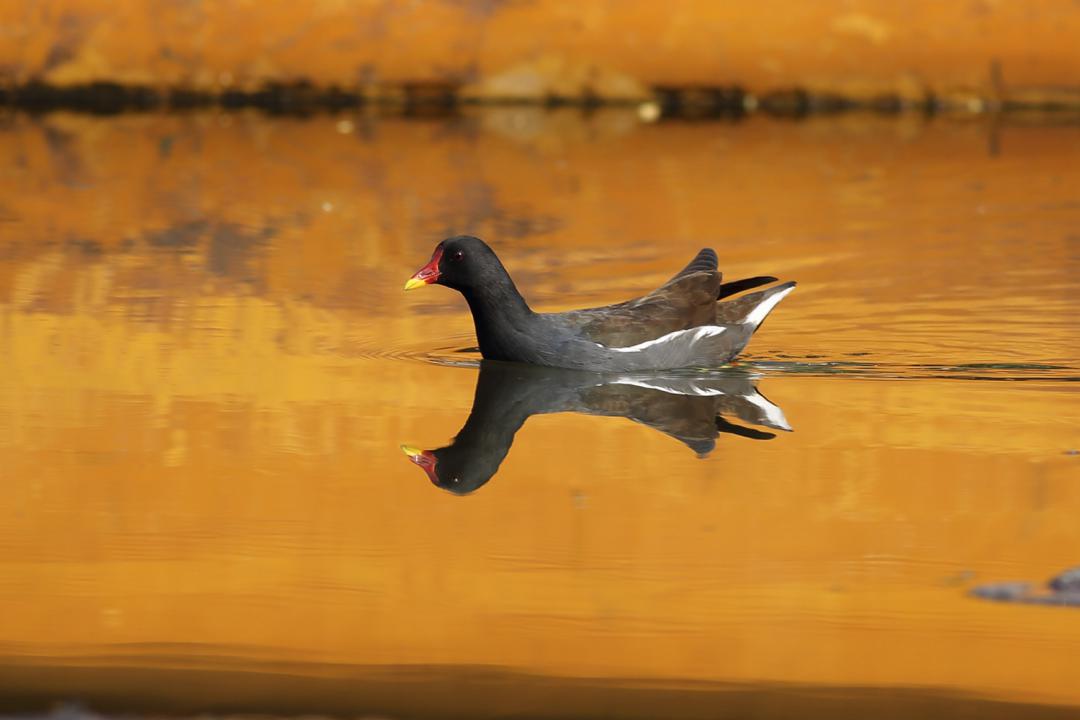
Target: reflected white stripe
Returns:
[[773, 414], [686, 388]]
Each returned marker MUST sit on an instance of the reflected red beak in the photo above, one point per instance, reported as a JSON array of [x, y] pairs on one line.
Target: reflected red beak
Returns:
[[427, 274], [425, 459]]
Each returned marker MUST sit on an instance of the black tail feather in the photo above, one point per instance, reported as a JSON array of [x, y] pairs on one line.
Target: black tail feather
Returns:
[[737, 286], [704, 261]]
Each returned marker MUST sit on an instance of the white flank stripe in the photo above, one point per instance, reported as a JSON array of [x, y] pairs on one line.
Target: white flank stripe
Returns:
[[758, 314], [698, 333]]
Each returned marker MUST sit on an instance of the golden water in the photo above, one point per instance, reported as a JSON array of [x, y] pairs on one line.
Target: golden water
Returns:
[[207, 365]]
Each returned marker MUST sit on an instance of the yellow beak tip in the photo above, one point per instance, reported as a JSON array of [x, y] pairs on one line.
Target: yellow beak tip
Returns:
[[413, 283], [410, 450]]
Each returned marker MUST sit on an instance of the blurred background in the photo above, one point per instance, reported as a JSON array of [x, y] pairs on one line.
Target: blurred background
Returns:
[[207, 363], [964, 53]]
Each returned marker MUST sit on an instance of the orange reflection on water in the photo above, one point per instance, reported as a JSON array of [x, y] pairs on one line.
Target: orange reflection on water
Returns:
[[208, 366]]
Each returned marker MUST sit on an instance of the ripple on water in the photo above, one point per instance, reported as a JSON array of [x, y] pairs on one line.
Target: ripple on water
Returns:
[[1015, 372], [368, 350], [922, 371]]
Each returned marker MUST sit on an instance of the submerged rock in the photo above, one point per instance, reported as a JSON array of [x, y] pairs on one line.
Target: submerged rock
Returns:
[[1064, 589], [1068, 581]]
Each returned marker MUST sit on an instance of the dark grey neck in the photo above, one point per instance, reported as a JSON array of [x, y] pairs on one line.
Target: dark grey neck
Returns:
[[503, 320]]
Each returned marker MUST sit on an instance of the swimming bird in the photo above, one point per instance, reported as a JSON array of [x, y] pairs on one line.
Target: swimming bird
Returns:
[[684, 323]]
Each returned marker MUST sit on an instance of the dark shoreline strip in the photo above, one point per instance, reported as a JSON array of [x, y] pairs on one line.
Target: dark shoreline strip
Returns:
[[426, 99], [171, 687]]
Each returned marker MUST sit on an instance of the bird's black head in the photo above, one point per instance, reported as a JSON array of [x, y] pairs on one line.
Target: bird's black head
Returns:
[[459, 470], [462, 262]]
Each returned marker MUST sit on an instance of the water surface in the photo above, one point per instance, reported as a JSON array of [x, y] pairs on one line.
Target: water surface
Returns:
[[207, 367]]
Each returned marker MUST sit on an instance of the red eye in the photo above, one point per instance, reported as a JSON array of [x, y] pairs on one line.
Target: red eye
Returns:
[[456, 255]]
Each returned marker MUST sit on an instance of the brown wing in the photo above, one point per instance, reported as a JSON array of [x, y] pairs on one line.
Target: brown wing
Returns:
[[685, 301]]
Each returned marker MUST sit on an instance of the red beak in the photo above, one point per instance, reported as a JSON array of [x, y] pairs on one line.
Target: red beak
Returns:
[[427, 274], [425, 459]]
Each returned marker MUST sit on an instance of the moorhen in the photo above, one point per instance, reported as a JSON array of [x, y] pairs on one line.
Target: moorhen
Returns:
[[680, 324]]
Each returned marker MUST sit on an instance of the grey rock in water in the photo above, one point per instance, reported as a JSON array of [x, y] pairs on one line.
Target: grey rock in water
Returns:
[[1064, 591], [1068, 581]]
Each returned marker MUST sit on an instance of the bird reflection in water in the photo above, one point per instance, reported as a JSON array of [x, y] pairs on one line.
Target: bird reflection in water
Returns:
[[692, 408]]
